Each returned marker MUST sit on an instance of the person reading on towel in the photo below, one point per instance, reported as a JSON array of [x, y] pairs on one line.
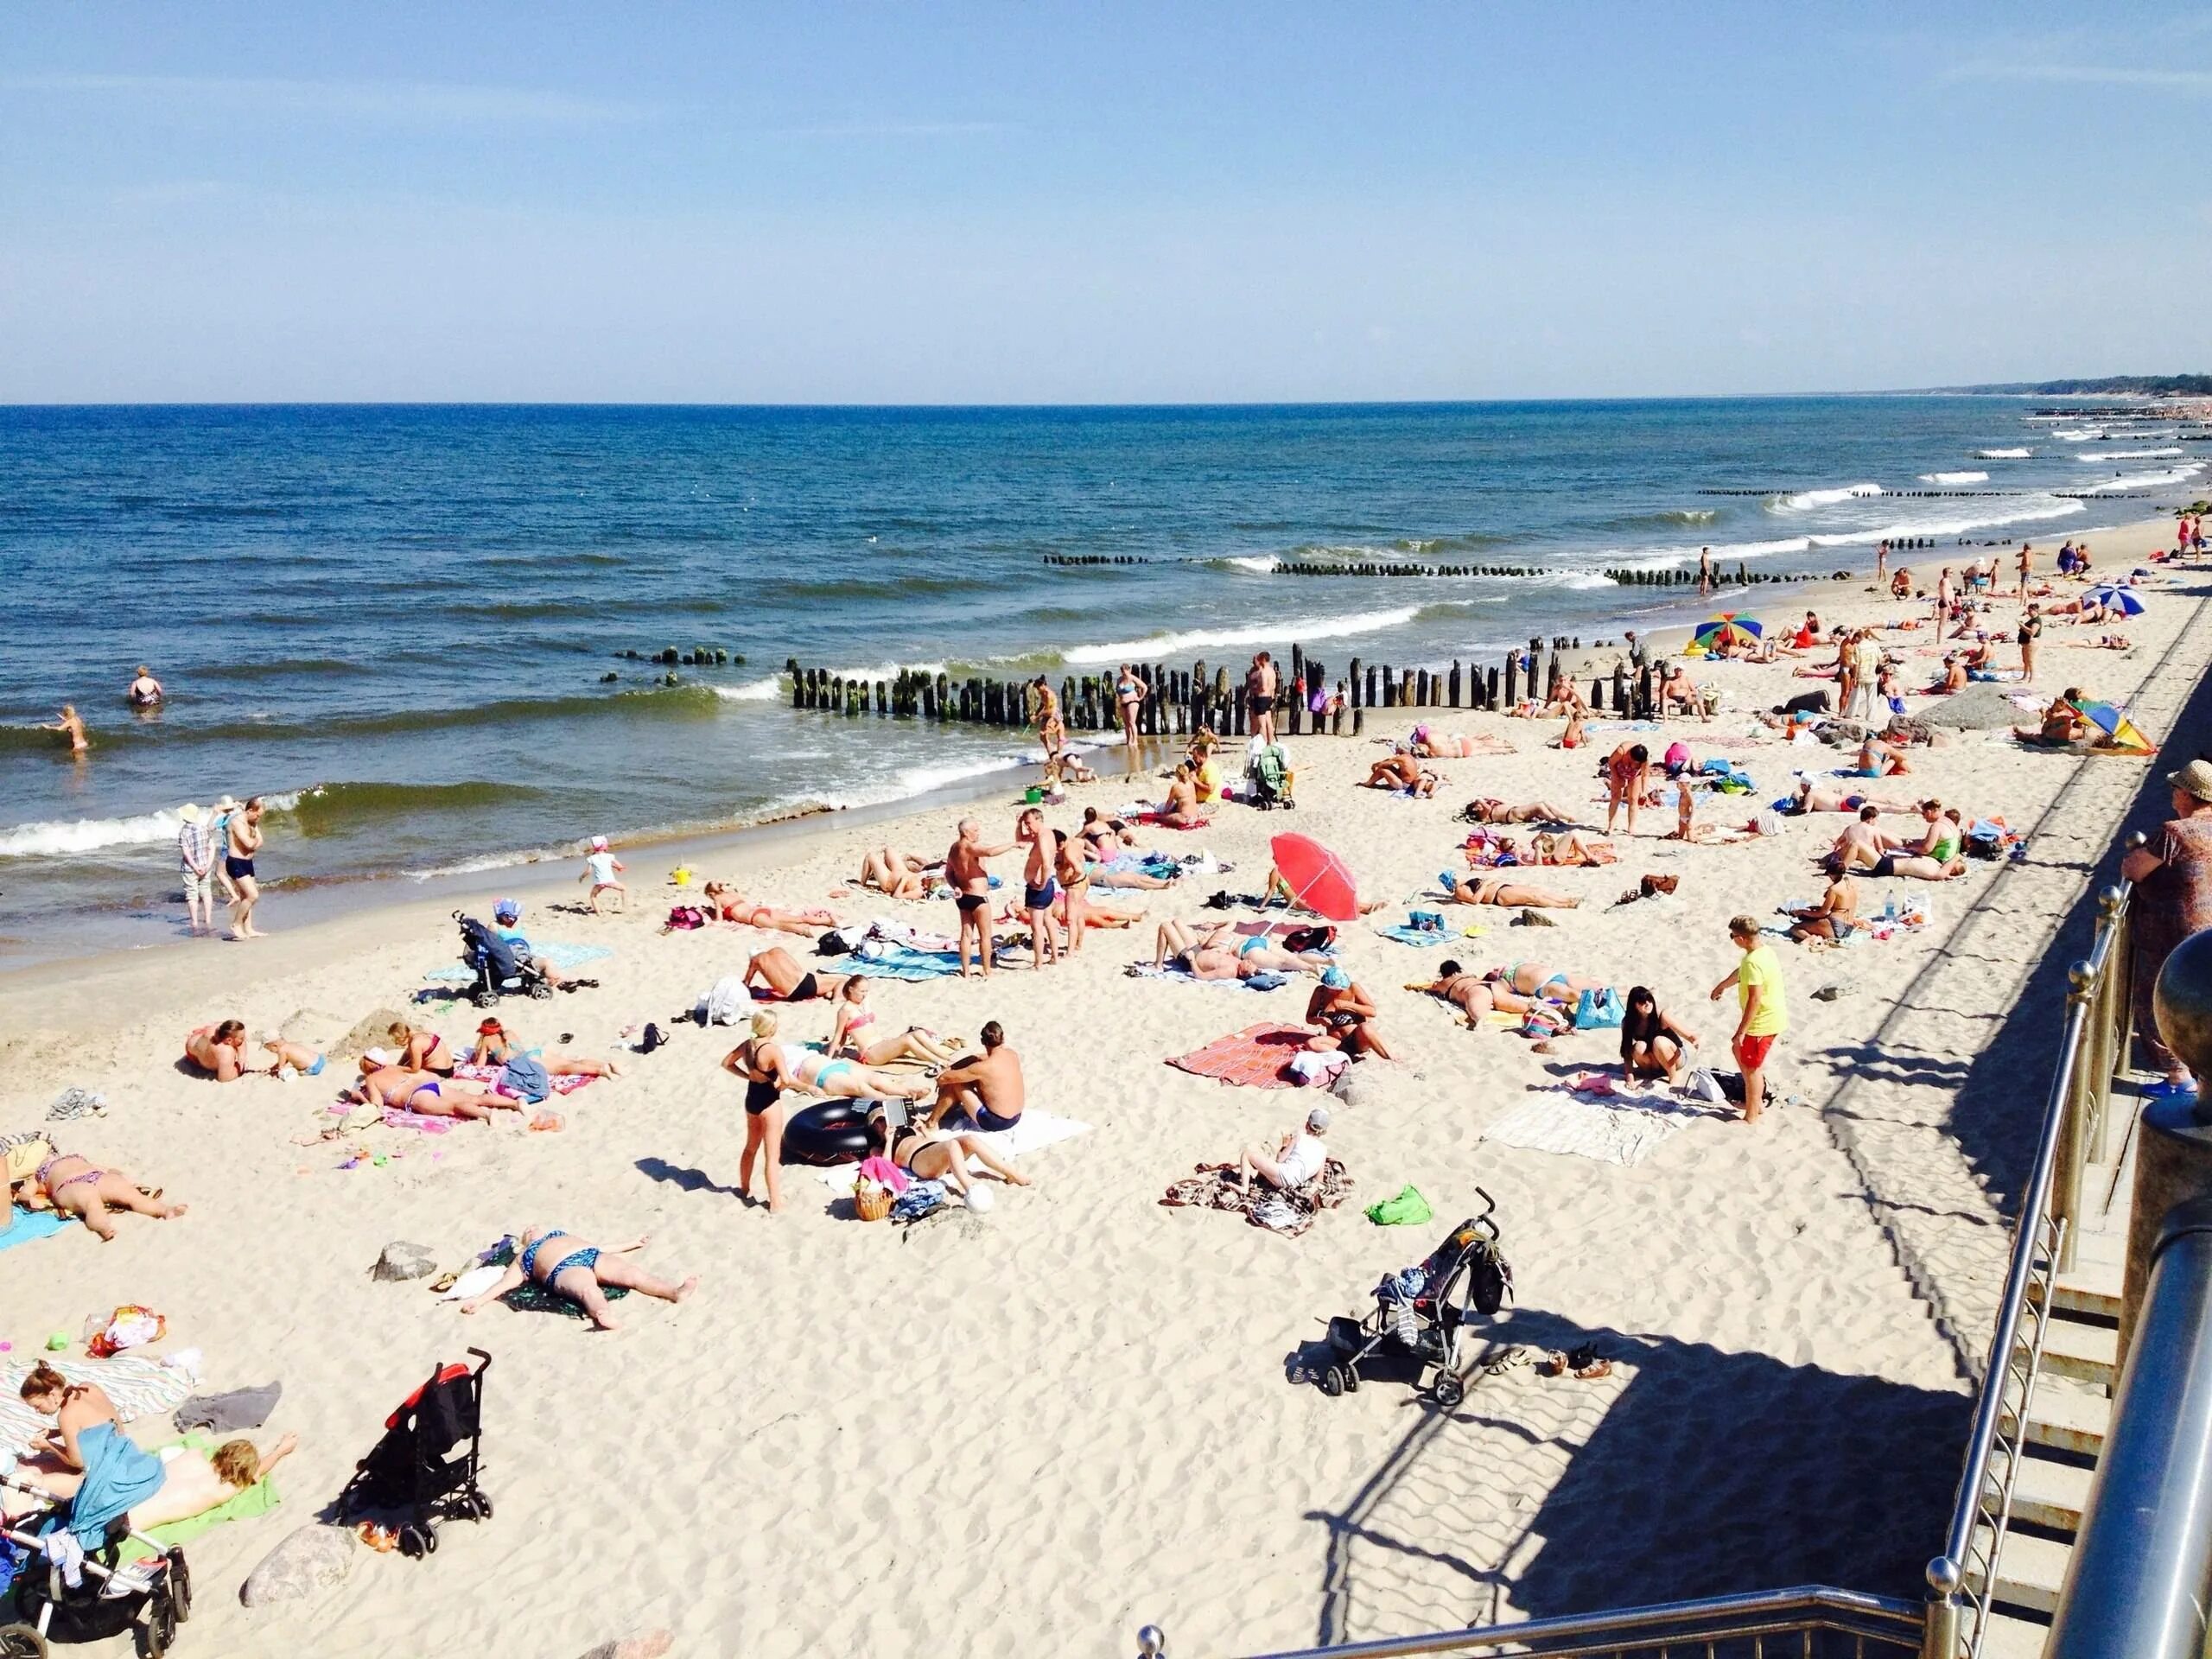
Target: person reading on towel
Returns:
[[1345, 1014], [106, 1475], [1298, 1157], [577, 1269], [987, 1087]]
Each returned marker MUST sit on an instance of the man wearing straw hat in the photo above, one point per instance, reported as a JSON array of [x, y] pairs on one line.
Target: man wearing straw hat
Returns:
[[195, 851], [2173, 899]]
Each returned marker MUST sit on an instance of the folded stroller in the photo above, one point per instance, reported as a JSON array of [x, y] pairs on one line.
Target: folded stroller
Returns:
[[502, 968], [1421, 1312], [128, 1583], [426, 1464]]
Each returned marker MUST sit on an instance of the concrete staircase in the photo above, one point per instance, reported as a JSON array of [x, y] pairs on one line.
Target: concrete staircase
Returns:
[[2065, 1431]]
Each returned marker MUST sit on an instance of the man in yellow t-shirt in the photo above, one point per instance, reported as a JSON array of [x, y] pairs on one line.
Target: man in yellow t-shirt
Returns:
[[1764, 1011]]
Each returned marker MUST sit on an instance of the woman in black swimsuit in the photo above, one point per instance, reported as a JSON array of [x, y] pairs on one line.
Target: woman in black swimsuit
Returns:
[[760, 1060]]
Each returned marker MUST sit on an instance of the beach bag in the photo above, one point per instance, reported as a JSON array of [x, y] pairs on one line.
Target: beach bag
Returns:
[[1984, 839], [1311, 1067], [1599, 1010], [1408, 1209], [129, 1326], [1702, 1084], [1490, 1278], [1302, 940], [1424, 921], [684, 918], [833, 943], [872, 1200]]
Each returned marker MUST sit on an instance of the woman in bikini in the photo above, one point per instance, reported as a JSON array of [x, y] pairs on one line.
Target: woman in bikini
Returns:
[[496, 1046], [1129, 693], [1836, 917], [1571, 850], [848, 1038], [1218, 951], [219, 1052], [420, 1051], [1180, 809], [1474, 995], [1653, 1045], [941, 1155], [760, 1060], [1628, 775], [1532, 979], [730, 905], [1497, 890], [169, 1487], [423, 1093], [1488, 810], [71, 1186], [578, 1269]]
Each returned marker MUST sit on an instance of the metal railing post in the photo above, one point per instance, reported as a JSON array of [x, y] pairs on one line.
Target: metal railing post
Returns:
[[1939, 1634], [2066, 1180], [1152, 1643]]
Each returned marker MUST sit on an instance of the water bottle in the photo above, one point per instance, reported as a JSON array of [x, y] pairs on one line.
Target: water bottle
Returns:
[[1890, 908]]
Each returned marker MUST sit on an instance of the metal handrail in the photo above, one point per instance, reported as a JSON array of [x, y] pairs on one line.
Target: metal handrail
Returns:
[[2043, 1246], [1880, 1621]]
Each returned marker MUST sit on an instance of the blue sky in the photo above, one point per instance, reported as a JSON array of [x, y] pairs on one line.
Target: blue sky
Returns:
[[1094, 203]]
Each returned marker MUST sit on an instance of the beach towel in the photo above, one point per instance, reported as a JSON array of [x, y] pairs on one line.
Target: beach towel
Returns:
[[1619, 1128], [257, 1499], [496, 1076], [119, 1475], [1287, 1213], [904, 962], [1415, 935], [226, 1414], [397, 1117], [1257, 1057], [561, 958], [1175, 970], [1032, 1132], [140, 1386], [33, 1225]]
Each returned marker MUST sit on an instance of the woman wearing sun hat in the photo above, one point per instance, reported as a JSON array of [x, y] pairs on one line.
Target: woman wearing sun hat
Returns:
[[2173, 899]]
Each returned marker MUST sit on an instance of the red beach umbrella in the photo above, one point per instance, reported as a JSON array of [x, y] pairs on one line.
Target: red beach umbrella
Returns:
[[1318, 879]]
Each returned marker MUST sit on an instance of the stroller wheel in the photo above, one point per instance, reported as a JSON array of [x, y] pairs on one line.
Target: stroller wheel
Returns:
[[483, 1505], [180, 1582], [1333, 1381], [1449, 1389], [1351, 1381], [21, 1642], [430, 1541], [540, 991], [160, 1627], [485, 999], [413, 1541]]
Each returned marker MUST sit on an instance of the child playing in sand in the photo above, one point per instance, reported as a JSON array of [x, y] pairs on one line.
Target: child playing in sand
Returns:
[[601, 869]]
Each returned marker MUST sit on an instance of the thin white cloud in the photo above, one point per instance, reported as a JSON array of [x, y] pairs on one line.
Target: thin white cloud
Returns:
[[893, 130], [2087, 74], [400, 100]]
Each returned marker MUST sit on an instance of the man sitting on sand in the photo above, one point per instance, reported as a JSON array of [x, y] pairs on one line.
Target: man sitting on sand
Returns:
[[779, 971], [1297, 1158], [219, 1052], [987, 1087], [1399, 771], [1218, 951], [581, 1271], [1345, 1014], [1863, 850]]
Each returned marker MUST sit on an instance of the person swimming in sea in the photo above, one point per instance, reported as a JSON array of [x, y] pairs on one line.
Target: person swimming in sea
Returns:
[[145, 691], [72, 725]]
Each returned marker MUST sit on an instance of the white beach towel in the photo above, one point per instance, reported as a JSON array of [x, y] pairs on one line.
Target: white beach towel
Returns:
[[1624, 1131], [1032, 1132], [138, 1384]]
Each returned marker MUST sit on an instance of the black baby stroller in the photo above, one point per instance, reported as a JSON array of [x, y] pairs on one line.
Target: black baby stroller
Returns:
[[426, 1464], [502, 968], [129, 1582], [1421, 1312]]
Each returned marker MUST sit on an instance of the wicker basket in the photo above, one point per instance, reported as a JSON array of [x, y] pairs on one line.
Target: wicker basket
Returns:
[[872, 1201]]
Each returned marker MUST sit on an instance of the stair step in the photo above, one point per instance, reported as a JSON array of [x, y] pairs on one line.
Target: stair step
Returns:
[[2087, 1353], [2068, 1419], [2005, 1636], [2030, 1572], [2092, 1287], [2047, 1493]]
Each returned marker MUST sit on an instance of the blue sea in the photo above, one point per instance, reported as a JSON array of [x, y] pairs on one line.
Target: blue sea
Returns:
[[398, 622]]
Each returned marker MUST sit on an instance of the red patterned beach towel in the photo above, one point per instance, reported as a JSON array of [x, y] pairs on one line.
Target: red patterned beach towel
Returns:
[[1257, 1057]]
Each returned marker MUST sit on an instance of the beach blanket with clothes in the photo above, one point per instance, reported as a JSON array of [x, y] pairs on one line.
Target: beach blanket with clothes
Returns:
[[257, 1499], [1257, 1057], [1622, 1127], [560, 958], [880, 959], [1287, 1213], [1032, 1132], [1176, 970], [33, 1225], [140, 1386]]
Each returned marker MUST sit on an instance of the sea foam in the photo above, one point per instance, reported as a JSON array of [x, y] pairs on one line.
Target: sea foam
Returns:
[[1954, 478]]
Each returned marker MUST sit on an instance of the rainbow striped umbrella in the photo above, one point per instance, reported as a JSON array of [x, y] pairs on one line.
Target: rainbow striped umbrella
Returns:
[[1727, 629]]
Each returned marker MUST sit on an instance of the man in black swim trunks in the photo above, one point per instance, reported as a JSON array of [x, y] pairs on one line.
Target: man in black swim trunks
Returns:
[[1039, 888], [970, 882], [1259, 684], [988, 1086]]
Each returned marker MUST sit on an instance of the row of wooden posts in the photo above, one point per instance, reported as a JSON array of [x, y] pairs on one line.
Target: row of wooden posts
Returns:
[[1181, 703]]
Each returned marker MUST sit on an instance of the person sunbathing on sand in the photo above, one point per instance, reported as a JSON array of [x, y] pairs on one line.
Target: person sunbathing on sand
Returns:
[[929, 1153], [899, 874], [1652, 1045], [1498, 890], [1496, 811], [69, 1185], [1532, 979], [2062, 723], [1430, 745], [423, 1093], [1471, 994], [1180, 809], [577, 1269], [731, 905], [1836, 917], [1218, 951], [496, 1046], [1863, 850], [1398, 771], [219, 1052], [850, 1038], [1814, 797], [88, 1431], [779, 971], [1345, 1014], [989, 1087], [1572, 849]]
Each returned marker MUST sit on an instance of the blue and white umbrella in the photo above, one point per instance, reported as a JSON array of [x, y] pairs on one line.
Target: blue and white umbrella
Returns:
[[2122, 600]]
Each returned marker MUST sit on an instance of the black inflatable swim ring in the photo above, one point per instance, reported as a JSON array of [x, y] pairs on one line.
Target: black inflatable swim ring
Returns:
[[828, 1132]]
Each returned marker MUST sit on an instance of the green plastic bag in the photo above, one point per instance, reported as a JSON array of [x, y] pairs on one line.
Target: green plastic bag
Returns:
[[1408, 1209]]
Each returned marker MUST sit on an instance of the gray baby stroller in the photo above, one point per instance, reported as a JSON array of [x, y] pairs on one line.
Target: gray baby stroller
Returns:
[[1421, 1312], [128, 1583]]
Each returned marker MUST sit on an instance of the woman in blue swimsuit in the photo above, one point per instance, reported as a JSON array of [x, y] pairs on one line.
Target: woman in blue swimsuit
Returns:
[[577, 1269]]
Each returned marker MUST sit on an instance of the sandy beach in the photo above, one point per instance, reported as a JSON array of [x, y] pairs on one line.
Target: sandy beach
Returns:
[[1072, 1415]]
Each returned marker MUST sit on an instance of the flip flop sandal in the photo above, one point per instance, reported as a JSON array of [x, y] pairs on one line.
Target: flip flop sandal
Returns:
[[444, 1282]]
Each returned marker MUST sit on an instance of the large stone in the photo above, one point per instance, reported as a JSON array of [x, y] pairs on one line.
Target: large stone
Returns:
[[401, 1259], [639, 1644], [311, 1559]]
